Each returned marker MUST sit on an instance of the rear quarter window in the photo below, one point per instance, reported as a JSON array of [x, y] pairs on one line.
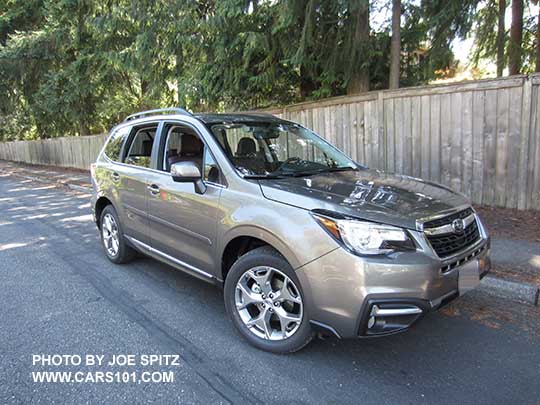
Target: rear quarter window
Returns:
[[115, 142]]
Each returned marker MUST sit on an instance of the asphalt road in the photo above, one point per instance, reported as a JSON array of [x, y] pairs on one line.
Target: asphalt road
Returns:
[[60, 295]]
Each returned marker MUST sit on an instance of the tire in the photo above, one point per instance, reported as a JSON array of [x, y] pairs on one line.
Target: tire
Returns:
[[123, 253], [243, 289]]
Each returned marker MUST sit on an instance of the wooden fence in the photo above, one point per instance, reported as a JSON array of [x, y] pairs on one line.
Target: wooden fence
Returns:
[[481, 138], [73, 151]]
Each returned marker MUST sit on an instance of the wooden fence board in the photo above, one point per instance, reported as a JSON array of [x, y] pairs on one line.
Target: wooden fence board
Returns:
[[535, 156], [503, 101], [490, 155], [513, 147], [467, 143], [446, 136], [478, 127], [456, 147]]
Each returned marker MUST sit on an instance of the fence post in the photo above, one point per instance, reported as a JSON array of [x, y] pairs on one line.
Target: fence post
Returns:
[[525, 135], [381, 130]]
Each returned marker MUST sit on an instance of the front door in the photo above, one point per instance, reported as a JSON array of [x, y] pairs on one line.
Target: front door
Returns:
[[183, 222]]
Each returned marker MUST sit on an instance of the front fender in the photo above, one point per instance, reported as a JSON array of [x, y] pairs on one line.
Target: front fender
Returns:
[[263, 234], [292, 231]]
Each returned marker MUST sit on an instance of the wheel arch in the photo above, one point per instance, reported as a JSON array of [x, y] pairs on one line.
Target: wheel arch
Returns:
[[243, 239], [101, 202]]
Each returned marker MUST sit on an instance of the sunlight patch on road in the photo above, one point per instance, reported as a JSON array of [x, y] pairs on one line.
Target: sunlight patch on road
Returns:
[[39, 216], [7, 246], [80, 218], [535, 261]]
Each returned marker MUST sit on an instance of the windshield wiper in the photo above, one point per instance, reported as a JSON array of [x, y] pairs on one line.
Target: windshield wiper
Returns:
[[263, 176], [304, 173]]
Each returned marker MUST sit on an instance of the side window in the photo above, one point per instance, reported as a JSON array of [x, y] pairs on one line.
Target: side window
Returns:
[[115, 142], [211, 169], [182, 145], [139, 150]]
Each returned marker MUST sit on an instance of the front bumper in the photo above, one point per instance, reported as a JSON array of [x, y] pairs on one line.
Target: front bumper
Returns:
[[345, 292]]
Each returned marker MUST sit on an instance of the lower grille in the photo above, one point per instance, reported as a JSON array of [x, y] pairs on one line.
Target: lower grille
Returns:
[[457, 263], [449, 243]]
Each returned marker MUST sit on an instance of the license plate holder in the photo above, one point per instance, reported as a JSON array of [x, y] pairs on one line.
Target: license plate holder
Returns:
[[469, 276]]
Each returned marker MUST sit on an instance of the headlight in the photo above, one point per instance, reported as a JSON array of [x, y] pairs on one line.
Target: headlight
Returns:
[[366, 238]]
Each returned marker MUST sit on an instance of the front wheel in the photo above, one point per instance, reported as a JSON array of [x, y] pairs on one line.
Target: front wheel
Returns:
[[264, 300]]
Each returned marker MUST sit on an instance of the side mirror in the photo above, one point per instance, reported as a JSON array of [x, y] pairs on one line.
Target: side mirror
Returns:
[[188, 172]]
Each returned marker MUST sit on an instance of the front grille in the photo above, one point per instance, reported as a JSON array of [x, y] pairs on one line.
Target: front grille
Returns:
[[450, 243], [435, 223]]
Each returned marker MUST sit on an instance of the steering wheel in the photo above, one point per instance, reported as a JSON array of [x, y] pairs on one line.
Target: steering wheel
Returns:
[[294, 159]]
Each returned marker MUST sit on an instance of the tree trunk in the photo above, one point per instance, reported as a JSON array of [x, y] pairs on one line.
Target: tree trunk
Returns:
[[307, 85], [500, 38], [144, 93], [180, 97], [516, 36], [395, 48], [537, 68], [359, 80]]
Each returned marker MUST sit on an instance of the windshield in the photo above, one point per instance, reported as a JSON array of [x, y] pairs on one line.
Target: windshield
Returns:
[[276, 149]]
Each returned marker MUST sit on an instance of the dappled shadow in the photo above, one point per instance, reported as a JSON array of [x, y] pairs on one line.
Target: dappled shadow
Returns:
[[51, 215]]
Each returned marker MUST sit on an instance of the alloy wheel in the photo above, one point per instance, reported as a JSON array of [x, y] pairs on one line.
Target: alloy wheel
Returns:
[[109, 231], [269, 303]]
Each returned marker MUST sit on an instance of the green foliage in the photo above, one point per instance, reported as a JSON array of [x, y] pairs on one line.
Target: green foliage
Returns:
[[75, 67]]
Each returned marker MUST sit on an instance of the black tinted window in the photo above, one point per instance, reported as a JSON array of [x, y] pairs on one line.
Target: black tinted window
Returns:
[[140, 148], [211, 169], [114, 145]]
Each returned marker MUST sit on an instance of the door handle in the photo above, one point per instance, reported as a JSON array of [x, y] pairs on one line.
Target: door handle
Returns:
[[115, 176], [154, 189]]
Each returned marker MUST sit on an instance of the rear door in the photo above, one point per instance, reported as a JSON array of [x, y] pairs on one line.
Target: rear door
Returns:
[[183, 222], [131, 177]]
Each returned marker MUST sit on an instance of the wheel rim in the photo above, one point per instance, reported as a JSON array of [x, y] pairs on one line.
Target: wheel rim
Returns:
[[109, 231], [269, 303]]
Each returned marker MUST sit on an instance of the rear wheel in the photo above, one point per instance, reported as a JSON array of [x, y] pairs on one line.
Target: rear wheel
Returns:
[[264, 300], [112, 237]]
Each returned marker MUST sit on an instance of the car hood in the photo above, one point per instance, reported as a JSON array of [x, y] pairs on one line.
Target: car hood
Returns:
[[368, 194]]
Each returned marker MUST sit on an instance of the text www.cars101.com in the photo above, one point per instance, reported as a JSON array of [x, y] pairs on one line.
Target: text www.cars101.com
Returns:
[[103, 377]]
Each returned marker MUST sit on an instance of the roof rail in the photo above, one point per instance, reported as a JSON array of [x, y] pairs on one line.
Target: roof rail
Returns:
[[176, 110]]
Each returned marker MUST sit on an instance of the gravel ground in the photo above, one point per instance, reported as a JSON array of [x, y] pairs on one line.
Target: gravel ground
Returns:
[[516, 243], [511, 224]]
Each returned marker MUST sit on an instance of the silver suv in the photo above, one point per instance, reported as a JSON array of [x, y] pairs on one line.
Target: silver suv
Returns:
[[302, 238]]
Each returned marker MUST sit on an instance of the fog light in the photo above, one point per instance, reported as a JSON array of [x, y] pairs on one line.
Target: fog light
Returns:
[[391, 317]]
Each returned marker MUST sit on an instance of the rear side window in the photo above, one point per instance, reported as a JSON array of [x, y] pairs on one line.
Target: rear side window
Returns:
[[139, 150], [114, 145]]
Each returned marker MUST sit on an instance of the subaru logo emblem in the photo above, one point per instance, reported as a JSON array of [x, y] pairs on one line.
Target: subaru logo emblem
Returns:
[[458, 225]]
